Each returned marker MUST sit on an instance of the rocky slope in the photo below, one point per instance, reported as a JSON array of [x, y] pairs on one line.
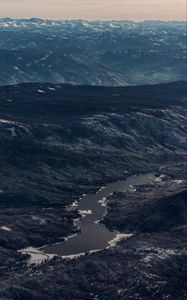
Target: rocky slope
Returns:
[[60, 141], [142, 268], [159, 206]]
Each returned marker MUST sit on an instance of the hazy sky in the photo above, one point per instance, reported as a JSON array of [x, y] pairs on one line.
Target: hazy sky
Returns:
[[95, 9]]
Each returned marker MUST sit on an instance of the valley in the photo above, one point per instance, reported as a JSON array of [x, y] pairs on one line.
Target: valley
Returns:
[[58, 142]]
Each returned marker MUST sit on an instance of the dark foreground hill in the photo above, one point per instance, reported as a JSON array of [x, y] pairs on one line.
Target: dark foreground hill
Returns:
[[60, 141]]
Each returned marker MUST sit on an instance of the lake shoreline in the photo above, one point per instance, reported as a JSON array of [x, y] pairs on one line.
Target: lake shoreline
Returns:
[[92, 208]]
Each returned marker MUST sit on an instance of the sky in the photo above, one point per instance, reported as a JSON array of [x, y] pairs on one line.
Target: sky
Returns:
[[137, 10]]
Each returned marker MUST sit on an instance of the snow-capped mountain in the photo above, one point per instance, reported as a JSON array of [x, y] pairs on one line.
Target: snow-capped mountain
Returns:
[[91, 52]]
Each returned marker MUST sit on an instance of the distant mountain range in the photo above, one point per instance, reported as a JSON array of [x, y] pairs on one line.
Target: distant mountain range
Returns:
[[91, 53]]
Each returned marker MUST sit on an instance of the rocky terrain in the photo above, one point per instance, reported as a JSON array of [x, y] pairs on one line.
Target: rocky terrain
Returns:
[[60, 141], [142, 267], [94, 53], [159, 206]]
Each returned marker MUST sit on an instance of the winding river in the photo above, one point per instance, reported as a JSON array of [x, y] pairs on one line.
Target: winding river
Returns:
[[93, 235]]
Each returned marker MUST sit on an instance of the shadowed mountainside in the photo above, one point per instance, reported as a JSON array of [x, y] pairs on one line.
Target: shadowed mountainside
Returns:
[[60, 141]]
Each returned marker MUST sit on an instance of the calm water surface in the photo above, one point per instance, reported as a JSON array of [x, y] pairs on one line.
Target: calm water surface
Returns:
[[94, 236]]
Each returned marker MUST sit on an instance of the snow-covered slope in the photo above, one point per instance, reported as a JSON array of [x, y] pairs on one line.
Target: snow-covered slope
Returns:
[[94, 53]]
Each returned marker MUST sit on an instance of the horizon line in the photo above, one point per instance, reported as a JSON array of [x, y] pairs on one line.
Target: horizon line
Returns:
[[95, 19]]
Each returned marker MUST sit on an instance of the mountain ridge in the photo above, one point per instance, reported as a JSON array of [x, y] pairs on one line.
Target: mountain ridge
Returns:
[[93, 53]]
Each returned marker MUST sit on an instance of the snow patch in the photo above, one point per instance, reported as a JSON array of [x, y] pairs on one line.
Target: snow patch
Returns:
[[103, 202], [118, 238], [162, 254], [84, 213], [160, 178], [38, 219], [6, 228], [36, 256]]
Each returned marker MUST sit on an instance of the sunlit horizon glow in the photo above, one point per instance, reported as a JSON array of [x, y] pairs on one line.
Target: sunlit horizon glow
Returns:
[[137, 10]]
